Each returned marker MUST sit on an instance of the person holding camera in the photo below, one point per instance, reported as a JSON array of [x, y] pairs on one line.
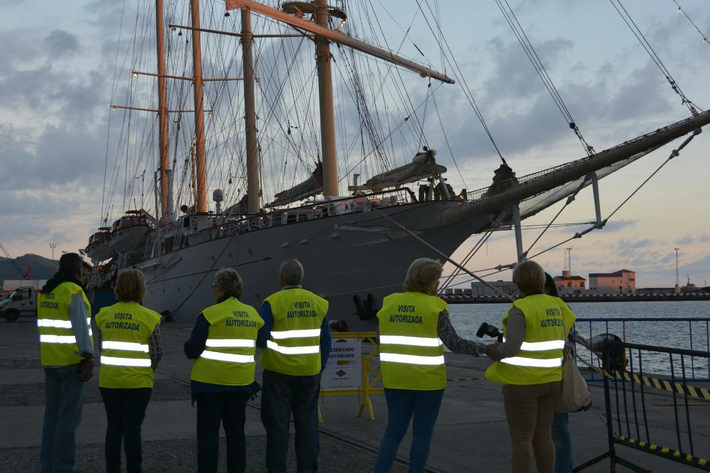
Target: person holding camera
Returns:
[[529, 366], [413, 325]]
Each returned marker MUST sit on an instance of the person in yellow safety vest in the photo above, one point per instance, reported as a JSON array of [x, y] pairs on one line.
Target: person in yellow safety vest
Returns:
[[295, 342], [130, 352], [223, 344], [529, 366], [66, 352], [414, 327]]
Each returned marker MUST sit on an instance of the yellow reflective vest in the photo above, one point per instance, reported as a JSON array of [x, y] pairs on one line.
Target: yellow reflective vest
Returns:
[[539, 360], [293, 347], [126, 328], [228, 357], [56, 338], [411, 353]]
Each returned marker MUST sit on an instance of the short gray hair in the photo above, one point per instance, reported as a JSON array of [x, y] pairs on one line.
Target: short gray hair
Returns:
[[423, 275], [291, 272], [229, 281]]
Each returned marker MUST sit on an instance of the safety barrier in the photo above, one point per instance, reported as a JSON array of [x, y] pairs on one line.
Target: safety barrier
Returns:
[[686, 332], [636, 404], [336, 381]]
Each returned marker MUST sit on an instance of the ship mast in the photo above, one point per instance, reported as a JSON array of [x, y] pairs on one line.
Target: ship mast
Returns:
[[250, 115], [323, 35], [165, 187], [327, 115], [201, 201]]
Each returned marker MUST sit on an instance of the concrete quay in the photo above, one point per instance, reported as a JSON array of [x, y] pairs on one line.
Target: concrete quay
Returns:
[[471, 433]]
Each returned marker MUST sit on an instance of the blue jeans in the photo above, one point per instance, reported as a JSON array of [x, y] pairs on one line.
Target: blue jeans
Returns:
[[283, 395], [563, 443], [63, 400], [401, 405]]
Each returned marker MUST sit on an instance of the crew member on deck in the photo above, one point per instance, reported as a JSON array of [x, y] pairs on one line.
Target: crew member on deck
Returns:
[[130, 352], [414, 327], [223, 344], [295, 343]]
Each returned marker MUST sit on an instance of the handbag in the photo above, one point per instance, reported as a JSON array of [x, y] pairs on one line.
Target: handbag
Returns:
[[575, 395]]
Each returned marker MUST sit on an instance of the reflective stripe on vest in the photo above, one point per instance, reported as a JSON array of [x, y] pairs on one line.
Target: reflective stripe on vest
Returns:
[[59, 339], [232, 358], [411, 352], [128, 362], [126, 346], [412, 359], [532, 362], [310, 349], [286, 334], [230, 343], [293, 347]]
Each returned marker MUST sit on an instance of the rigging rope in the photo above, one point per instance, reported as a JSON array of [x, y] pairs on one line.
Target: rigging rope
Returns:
[[702, 35], [541, 71], [624, 14]]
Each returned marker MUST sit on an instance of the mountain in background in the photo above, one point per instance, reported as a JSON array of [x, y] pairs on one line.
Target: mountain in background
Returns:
[[41, 267]]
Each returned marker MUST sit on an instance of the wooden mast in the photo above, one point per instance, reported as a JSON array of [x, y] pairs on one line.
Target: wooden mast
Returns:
[[201, 202], [165, 188], [250, 115], [327, 115]]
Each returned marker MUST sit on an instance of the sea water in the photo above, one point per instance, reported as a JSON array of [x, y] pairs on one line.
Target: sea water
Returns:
[[693, 334]]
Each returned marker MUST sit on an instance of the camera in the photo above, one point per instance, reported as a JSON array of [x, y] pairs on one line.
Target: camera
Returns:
[[490, 330]]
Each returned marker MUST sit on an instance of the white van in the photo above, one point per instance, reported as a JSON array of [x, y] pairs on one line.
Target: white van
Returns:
[[22, 302]]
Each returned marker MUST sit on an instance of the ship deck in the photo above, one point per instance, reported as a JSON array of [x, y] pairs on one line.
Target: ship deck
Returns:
[[470, 435]]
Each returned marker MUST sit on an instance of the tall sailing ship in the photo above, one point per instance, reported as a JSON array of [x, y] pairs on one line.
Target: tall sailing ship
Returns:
[[355, 247]]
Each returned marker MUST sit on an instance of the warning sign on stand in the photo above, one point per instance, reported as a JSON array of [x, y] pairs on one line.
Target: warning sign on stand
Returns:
[[344, 368]]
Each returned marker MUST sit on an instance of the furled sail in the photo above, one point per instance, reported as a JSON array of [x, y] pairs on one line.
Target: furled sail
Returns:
[[310, 187], [422, 166]]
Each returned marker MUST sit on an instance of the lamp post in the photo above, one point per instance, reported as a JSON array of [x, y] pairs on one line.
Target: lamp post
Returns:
[[677, 278], [53, 246]]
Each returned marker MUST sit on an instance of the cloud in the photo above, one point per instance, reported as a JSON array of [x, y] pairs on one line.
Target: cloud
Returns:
[[618, 225], [60, 44], [685, 240]]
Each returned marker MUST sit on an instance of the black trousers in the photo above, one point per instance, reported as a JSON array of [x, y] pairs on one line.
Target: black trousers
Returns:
[[227, 408], [125, 410], [283, 395]]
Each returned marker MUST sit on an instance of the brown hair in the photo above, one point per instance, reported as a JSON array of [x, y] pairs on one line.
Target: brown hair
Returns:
[[229, 281], [130, 286], [423, 275], [529, 277]]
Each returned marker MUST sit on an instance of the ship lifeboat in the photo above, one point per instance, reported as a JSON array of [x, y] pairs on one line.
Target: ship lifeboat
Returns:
[[130, 232], [98, 249]]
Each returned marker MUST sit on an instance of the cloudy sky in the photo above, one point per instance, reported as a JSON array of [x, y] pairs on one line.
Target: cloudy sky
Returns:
[[58, 76]]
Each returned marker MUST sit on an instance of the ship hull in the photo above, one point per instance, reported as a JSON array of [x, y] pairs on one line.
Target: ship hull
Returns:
[[350, 255]]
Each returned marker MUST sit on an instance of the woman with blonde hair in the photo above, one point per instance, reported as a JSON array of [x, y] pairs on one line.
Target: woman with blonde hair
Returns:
[[223, 343], [413, 325], [529, 366], [130, 352]]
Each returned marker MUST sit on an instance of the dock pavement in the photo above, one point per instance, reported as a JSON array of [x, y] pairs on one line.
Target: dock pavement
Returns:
[[471, 434]]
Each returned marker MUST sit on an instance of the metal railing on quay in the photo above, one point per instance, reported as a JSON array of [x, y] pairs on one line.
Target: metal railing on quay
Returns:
[[681, 334]]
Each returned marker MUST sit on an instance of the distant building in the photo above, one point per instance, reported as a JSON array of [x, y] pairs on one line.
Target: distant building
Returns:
[[478, 289], [568, 284], [619, 282]]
